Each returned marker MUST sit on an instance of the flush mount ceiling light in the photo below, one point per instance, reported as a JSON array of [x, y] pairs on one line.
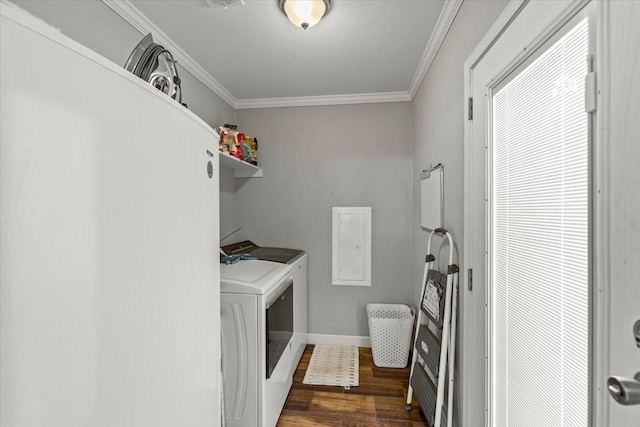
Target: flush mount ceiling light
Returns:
[[305, 13]]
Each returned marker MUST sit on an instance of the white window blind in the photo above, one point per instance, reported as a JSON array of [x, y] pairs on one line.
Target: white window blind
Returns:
[[539, 251]]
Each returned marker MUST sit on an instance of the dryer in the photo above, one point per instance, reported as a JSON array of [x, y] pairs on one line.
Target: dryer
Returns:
[[258, 357]]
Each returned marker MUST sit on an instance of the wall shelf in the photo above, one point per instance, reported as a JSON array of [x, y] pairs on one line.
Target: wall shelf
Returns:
[[240, 169]]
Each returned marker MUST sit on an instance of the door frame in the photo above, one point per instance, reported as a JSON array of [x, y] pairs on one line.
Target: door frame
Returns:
[[600, 202]]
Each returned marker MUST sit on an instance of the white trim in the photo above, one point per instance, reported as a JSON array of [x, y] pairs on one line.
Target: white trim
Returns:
[[339, 340], [537, 42], [496, 30], [448, 14], [308, 101], [20, 16], [601, 222], [504, 20], [140, 22]]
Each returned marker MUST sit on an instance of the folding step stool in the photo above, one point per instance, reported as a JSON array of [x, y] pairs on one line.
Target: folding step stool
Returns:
[[439, 303]]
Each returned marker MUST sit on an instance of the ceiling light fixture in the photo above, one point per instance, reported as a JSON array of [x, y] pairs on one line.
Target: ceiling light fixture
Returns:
[[305, 13]]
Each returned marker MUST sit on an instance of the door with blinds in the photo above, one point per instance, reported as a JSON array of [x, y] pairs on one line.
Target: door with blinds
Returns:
[[538, 251], [530, 220]]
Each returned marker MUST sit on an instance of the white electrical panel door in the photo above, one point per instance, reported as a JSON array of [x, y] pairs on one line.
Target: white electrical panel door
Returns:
[[351, 251]]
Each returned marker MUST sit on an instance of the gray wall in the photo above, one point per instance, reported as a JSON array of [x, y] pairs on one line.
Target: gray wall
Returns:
[[228, 217], [438, 117], [318, 157], [315, 158], [96, 26]]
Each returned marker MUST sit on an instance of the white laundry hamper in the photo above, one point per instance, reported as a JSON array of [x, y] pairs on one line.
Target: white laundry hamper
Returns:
[[390, 327]]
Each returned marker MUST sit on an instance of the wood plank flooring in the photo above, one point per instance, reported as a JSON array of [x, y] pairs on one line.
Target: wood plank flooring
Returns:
[[377, 402]]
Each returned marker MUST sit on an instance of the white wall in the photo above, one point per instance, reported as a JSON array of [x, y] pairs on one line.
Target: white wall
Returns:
[[438, 119], [315, 158]]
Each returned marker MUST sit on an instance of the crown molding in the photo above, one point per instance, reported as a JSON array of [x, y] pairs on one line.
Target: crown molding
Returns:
[[308, 101], [140, 22], [445, 20]]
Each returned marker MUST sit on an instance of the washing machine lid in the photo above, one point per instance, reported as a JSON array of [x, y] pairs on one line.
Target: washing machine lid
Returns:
[[251, 276], [283, 255]]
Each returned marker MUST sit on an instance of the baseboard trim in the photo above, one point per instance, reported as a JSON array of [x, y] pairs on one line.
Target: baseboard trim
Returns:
[[339, 339]]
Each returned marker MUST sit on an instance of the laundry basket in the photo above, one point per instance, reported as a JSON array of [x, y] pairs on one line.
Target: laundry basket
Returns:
[[390, 327]]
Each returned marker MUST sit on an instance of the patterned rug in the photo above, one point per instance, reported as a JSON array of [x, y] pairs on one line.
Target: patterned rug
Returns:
[[333, 365]]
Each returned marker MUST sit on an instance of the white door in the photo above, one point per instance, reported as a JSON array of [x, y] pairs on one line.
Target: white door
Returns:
[[518, 38]]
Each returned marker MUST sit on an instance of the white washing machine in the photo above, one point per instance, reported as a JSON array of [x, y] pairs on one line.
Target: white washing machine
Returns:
[[257, 353], [297, 259]]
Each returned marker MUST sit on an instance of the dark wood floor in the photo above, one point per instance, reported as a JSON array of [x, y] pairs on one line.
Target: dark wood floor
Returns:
[[377, 402]]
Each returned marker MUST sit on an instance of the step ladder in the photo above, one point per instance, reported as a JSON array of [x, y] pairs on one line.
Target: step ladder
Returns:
[[429, 366]]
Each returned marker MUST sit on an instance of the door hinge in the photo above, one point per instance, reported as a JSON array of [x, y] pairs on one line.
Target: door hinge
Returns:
[[590, 88], [470, 283], [470, 109]]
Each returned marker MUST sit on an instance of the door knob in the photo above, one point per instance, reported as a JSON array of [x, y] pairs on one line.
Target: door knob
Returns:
[[625, 391]]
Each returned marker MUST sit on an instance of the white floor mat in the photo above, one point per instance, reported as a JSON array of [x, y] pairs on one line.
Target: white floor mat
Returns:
[[333, 365]]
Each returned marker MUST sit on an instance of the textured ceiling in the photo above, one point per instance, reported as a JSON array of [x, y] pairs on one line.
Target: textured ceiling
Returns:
[[254, 52]]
